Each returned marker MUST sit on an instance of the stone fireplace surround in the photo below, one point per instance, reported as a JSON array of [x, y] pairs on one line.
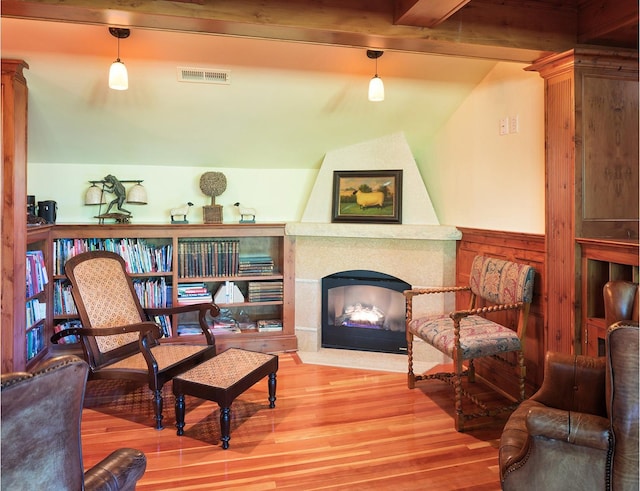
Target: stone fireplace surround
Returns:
[[423, 256], [418, 251]]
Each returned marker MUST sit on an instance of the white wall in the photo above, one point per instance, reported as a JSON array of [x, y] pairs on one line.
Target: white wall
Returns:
[[478, 178], [287, 106]]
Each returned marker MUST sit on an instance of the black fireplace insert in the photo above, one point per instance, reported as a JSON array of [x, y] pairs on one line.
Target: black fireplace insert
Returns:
[[364, 310]]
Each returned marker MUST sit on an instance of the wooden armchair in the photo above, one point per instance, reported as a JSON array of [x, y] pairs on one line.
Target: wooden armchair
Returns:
[[467, 334], [118, 340]]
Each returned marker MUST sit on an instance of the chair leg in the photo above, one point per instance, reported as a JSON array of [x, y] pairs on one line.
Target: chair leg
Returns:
[[471, 372], [459, 417], [411, 378], [157, 404], [522, 373]]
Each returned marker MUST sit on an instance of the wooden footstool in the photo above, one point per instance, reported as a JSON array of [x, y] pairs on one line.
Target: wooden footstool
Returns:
[[223, 378]]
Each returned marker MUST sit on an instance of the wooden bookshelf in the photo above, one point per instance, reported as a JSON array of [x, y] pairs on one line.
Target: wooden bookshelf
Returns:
[[250, 239], [602, 260]]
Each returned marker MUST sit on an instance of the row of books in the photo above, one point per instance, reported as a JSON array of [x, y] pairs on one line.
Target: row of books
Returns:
[[208, 258], [265, 291], [36, 311], [192, 293], [67, 325], [140, 256], [36, 274], [152, 293], [256, 265], [63, 303], [269, 325], [35, 341]]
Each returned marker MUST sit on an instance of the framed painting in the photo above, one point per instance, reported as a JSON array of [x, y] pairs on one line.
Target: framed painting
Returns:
[[367, 196]]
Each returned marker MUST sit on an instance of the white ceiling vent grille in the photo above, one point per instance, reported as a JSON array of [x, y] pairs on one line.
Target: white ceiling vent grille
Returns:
[[204, 75]]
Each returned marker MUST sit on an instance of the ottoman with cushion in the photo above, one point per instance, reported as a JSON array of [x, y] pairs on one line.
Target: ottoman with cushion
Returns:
[[223, 378]]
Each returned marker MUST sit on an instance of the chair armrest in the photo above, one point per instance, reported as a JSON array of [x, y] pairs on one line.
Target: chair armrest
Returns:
[[201, 308], [587, 430], [144, 328], [424, 291], [459, 314], [118, 471], [573, 383]]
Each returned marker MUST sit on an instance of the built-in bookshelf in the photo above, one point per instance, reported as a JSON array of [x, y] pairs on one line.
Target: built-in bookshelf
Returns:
[[603, 260], [37, 295], [180, 264]]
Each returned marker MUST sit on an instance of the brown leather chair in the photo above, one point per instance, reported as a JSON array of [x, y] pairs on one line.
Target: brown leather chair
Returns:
[[41, 445], [580, 429]]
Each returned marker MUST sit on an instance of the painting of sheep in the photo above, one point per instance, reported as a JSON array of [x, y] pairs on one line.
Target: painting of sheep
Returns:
[[367, 196]]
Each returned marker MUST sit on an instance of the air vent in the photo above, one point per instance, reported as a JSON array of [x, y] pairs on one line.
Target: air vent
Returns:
[[204, 75]]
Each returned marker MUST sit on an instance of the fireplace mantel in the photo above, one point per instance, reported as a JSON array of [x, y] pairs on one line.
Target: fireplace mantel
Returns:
[[375, 231]]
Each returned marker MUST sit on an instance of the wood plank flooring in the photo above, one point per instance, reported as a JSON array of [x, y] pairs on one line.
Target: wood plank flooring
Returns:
[[332, 428]]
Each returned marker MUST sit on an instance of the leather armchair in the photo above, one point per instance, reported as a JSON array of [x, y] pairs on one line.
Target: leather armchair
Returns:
[[41, 446], [580, 429]]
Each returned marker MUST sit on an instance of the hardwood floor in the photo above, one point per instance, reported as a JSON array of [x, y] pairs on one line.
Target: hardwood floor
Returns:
[[332, 428]]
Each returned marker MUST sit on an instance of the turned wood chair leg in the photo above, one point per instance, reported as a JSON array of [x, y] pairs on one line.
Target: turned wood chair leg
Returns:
[[225, 426], [180, 410], [471, 372], [157, 405], [411, 378], [272, 390], [522, 374]]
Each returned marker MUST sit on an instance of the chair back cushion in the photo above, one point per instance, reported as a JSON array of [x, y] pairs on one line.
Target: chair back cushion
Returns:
[[621, 301], [104, 297], [40, 438], [501, 281], [622, 395]]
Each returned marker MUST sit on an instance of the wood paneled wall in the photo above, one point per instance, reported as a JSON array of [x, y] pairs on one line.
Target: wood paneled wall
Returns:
[[517, 247]]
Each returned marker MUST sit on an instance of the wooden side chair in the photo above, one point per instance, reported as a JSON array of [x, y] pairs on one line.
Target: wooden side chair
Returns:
[[118, 339], [468, 334]]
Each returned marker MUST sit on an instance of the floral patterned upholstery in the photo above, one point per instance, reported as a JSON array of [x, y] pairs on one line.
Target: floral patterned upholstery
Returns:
[[478, 336], [501, 281]]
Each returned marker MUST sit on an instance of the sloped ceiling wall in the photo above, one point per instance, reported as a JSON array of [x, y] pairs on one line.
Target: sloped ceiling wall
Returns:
[[287, 104]]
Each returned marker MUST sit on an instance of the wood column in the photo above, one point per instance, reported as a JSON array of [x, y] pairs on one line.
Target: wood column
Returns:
[[13, 217], [591, 141]]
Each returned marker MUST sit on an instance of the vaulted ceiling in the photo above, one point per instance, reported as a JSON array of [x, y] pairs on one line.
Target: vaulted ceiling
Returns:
[[510, 30]]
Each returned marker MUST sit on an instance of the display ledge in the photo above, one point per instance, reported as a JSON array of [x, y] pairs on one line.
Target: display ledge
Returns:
[[374, 231]]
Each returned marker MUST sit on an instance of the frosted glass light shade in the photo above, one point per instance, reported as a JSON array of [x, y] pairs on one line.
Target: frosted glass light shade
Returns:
[[137, 194], [94, 196], [376, 89], [118, 77]]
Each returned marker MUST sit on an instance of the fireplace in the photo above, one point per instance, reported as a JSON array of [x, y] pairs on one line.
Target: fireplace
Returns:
[[364, 310]]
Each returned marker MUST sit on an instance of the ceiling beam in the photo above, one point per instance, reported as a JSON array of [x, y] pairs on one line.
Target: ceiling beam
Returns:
[[605, 19], [426, 13], [507, 30]]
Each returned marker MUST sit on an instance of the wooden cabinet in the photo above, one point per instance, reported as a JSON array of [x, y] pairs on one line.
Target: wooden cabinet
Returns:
[[13, 215], [205, 255], [591, 141], [602, 261]]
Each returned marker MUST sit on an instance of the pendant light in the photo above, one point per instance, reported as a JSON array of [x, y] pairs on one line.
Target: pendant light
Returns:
[[376, 87], [118, 77]]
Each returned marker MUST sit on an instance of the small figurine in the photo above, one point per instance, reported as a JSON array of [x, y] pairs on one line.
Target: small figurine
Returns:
[[113, 185], [247, 215], [181, 212]]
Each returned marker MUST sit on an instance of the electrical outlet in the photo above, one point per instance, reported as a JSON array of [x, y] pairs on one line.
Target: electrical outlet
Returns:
[[504, 126], [513, 124]]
